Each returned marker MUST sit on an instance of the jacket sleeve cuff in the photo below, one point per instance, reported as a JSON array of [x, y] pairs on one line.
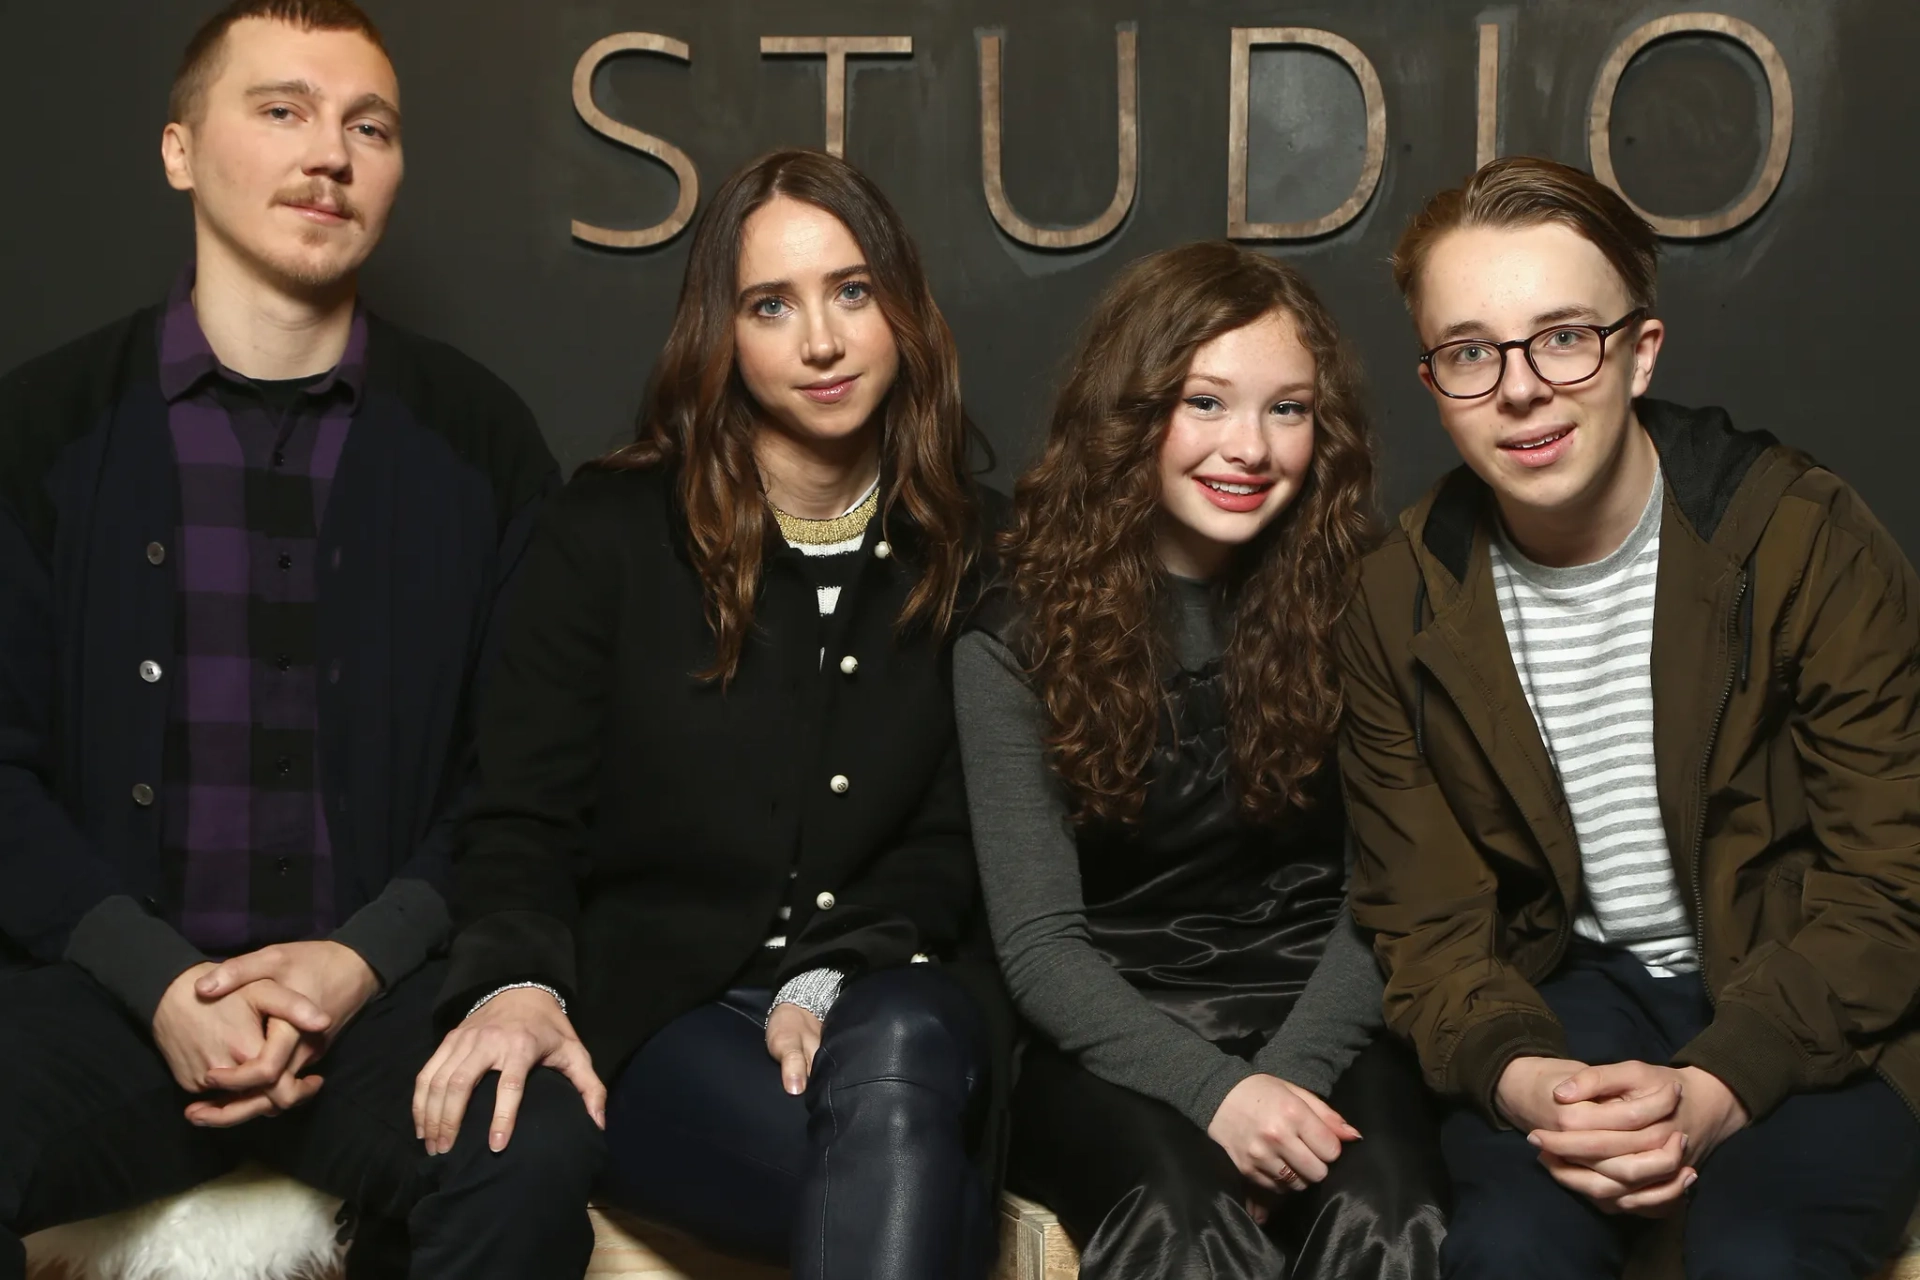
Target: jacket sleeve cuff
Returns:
[[503, 948], [1749, 1054], [133, 955], [1473, 1072], [397, 931]]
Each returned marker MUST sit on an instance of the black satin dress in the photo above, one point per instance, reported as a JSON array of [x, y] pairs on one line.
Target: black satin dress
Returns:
[[1220, 923]]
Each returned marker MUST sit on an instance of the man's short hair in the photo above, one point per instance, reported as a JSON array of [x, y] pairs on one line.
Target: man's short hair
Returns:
[[201, 61], [1525, 191]]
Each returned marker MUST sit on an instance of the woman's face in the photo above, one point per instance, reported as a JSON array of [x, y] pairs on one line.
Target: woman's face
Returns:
[[809, 337], [1238, 446]]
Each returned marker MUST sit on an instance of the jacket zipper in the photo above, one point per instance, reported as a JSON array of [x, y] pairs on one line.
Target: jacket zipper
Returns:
[[1700, 817]]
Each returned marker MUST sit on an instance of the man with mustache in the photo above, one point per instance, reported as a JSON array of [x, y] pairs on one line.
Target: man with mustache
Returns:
[[250, 544]]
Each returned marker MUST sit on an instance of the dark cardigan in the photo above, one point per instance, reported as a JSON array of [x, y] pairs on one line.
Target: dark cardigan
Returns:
[[435, 494], [637, 828]]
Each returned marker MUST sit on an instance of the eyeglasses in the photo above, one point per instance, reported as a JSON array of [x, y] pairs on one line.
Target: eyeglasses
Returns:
[[1562, 355]]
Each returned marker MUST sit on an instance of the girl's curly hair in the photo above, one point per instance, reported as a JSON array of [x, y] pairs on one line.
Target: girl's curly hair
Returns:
[[1081, 557]]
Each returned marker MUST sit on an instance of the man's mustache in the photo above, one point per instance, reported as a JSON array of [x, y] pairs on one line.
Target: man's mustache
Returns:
[[321, 195]]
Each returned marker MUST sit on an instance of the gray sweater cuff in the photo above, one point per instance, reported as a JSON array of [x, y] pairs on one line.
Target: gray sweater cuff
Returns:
[[134, 955], [1336, 1016], [397, 931], [1221, 1082]]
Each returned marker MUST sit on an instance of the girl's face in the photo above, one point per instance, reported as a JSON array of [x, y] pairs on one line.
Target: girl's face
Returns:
[[809, 338], [1238, 446]]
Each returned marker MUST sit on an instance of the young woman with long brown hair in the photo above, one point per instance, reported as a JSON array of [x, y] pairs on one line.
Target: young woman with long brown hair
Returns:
[[720, 858], [1147, 707]]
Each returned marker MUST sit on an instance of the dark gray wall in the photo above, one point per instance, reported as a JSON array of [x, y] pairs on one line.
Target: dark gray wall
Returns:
[[1800, 321]]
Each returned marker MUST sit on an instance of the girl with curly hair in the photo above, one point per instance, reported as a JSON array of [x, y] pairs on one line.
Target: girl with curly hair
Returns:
[[1147, 705]]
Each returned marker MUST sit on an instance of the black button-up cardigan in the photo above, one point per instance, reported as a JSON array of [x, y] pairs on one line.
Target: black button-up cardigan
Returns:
[[637, 828], [436, 489]]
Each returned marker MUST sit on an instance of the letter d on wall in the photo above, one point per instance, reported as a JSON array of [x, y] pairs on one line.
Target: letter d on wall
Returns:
[[1245, 40], [659, 148]]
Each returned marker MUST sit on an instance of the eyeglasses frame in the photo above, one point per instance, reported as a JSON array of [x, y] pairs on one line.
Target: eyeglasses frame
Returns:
[[1525, 345]]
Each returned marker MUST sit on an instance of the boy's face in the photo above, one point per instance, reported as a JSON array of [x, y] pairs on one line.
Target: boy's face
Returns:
[[1541, 447]]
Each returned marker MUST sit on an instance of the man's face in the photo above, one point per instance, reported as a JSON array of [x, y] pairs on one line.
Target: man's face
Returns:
[[293, 156], [1542, 447]]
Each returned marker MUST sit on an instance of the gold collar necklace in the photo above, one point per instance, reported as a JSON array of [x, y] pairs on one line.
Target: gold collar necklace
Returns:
[[803, 531]]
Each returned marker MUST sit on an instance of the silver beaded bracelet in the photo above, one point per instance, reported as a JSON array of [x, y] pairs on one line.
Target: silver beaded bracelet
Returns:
[[815, 991], [481, 1003]]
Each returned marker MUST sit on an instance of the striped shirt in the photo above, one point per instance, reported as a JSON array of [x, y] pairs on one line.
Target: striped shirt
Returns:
[[1581, 638]]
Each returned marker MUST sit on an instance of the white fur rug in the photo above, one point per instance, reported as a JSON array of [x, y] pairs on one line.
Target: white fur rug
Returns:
[[249, 1225]]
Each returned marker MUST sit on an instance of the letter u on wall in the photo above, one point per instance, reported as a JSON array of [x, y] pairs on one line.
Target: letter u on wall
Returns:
[[1126, 47]]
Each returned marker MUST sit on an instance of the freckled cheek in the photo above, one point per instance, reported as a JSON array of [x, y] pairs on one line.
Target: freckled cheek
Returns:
[[1181, 451], [1295, 454]]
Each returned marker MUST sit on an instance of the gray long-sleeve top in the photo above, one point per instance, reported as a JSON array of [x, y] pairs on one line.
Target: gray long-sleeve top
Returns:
[[1030, 877]]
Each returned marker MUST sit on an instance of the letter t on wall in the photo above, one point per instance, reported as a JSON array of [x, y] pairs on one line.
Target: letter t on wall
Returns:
[[836, 50], [1486, 132]]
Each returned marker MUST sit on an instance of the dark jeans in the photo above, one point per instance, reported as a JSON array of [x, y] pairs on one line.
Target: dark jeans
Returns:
[[1149, 1196], [865, 1176], [90, 1117], [1818, 1190]]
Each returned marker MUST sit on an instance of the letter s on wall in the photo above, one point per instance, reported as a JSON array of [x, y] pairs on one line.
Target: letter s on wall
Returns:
[[659, 148]]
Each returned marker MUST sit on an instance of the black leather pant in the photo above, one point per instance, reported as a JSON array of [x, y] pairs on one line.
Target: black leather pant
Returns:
[[864, 1177], [1149, 1196]]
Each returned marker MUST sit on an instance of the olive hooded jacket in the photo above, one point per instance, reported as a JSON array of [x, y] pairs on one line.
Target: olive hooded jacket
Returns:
[[1786, 689]]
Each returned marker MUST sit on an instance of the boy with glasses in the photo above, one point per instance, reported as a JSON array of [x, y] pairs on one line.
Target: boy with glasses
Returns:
[[1632, 753]]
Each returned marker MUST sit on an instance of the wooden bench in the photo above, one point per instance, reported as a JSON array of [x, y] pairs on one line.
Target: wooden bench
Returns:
[[1033, 1245]]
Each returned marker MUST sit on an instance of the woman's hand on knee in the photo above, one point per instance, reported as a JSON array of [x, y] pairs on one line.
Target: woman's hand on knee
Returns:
[[513, 1033], [793, 1037], [1279, 1136]]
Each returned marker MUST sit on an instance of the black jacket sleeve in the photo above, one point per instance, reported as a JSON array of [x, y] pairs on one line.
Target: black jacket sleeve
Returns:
[[522, 836], [410, 919]]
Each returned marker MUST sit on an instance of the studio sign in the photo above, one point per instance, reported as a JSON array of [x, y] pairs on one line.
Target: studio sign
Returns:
[[837, 49]]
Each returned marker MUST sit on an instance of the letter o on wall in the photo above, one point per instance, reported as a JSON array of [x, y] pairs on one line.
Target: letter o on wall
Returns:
[[1779, 89]]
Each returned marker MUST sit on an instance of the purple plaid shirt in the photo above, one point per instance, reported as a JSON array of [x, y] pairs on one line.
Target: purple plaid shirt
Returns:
[[244, 836]]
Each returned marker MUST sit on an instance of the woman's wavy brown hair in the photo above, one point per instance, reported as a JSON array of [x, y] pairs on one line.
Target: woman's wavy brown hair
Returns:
[[1081, 557], [699, 417]]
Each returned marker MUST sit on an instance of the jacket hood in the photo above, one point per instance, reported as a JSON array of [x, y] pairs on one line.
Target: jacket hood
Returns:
[[1725, 482]]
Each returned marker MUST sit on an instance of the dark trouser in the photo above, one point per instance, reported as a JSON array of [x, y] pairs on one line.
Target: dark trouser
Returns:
[[1149, 1196], [1818, 1190], [864, 1177], [90, 1117]]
